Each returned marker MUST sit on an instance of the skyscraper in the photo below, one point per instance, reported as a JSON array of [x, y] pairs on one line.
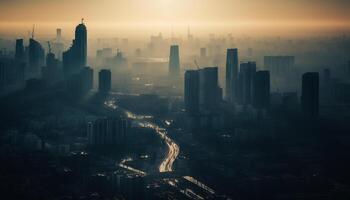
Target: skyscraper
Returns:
[[262, 89], [75, 57], [192, 91], [104, 81], [36, 58], [231, 74], [19, 54], [208, 89], [310, 94], [174, 61], [247, 73]]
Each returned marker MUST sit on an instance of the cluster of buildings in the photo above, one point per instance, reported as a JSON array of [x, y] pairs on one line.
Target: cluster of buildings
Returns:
[[69, 68], [107, 131], [245, 86]]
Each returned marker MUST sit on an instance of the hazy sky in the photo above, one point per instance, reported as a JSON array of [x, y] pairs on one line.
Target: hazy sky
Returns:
[[134, 15]]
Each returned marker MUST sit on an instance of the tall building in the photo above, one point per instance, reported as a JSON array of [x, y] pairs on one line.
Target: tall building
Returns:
[[107, 131], [208, 89], [310, 94], [104, 81], [36, 58], [174, 61], [19, 54], [262, 89], [192, 91], [58, 45], [75, 58], [246, 82], [231, 74]]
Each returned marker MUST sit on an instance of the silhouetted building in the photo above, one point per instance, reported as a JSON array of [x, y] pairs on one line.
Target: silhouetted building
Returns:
[[107, 131], [231, 74], [36, 58], [174, 61], [246, 82], [208, 89], [310, 94], [192, 91], [75, 57], [262, 89], [58, 45], [104, 81], [19, 54]]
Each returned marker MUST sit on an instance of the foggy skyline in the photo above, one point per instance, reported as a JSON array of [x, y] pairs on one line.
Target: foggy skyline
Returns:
[[129, 16]]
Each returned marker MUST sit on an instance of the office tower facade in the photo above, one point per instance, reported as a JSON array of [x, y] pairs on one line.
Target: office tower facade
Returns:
[[208, 89], [174, 61], [104, 81], [192, 91], [36, 58], [75, 57], [19, 52], [246, 82], [107, 131], [310, 94], [231, 74], [262, 89]]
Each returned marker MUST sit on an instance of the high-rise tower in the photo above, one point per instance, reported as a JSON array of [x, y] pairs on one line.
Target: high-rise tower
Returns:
[[231, 74], [174, 61], [75, 58]]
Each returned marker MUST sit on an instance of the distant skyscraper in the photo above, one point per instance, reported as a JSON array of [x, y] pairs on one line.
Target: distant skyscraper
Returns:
[[247, 73], [192, 91], [174, 61], [262, 89], [58, 46], [208, 89], [76, 57], [310, 94], [19, 54], [104, 81], [36, 58], [231, 74]]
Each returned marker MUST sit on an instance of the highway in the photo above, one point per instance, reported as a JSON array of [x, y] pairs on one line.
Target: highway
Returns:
[[171, 155], [173, 149]]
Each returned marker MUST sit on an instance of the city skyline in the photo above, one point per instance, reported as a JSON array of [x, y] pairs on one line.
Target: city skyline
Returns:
[[130, 17]]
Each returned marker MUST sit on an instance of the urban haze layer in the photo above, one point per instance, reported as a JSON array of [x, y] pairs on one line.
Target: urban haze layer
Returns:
[[250, 101]]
